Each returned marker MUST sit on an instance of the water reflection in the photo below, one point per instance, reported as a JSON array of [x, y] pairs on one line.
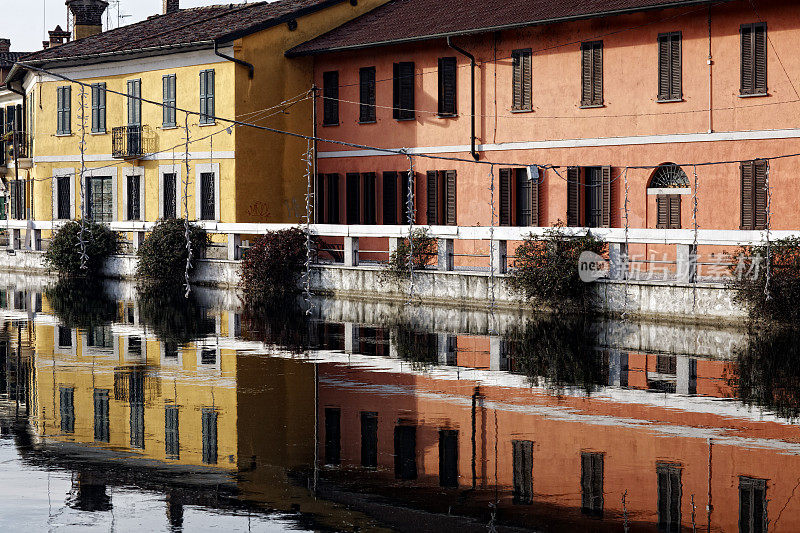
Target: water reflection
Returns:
[[160, 413]]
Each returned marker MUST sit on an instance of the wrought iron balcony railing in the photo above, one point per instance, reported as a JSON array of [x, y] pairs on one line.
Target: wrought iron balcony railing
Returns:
[[15, 145], [133, 142]]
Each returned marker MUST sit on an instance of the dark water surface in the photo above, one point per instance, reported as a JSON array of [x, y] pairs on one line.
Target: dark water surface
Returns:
[[149, 412]]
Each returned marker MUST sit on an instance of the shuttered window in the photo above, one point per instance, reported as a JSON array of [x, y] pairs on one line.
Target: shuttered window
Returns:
[[207, 100], [169, 90], [669, 66], [522, 79], [366, 89], [403, 91], [207, 196], [98, 108], [434, 207], [170, 195], [333, 436], [332, 193], [574, 196], [63, 197], [101, 418], [134, 102], [448, 106], [754, 194], [390, 197], [589, 197], [368, 192], [519, 198], [330, 96], [134, 198], [450, 200], [369, 439], [353, 195], [448, 458], [752, 505], [64, 110], [209, 428], [668, 211], [18, 201], [592, 484], [523, 471], [754, 59], [669, 497], [592, 73]]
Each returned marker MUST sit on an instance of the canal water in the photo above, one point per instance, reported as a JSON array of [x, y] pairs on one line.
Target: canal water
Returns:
[[150, 412]]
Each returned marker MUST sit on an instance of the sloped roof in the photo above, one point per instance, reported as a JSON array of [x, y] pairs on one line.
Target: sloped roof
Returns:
[[401, 21], [185, 27], [7, 59]]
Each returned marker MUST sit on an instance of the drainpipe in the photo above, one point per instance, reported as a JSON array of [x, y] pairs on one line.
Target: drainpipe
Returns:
[[471, 57], [249, 66]]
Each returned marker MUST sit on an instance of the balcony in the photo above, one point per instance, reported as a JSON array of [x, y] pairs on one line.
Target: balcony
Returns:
[[17, 147], [133, 142]]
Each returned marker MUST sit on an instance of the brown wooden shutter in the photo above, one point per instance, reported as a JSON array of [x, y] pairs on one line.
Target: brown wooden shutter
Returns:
[[447, 86], [573, 196], [747, 195], [662, 211], [396, 91], [330, 93], [390, 197], [675, 211], [663, 67], [369, 197], [516, 62], [676, 66], [505, 196], [432, 189], [606, 197], [450, 198], [332, 208], [759, 194], [597, 73], [404, 81], [760, 58], [527, 80], [669, 66], [353, 196], [367, 94], [586, 74], [592, 73], [319, 200], [533, 187]]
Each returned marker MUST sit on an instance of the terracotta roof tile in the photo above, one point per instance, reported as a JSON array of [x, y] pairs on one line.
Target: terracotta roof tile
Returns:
[[410, 20]]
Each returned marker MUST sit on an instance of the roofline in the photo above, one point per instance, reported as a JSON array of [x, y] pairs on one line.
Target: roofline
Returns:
[[276, 21], [488, 29]]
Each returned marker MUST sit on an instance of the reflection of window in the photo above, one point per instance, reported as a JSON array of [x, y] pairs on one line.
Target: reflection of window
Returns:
[[64, 337], [170, 350], [405, 452], [209, 435], [669, 497], [752, 505], [208, 356], [369, 439], [448, 458], [136, 399], [134, 346], [333, 436], [67, 409], [523, 471], [101, 421], [592, 484], [172, 443], [99, 337]]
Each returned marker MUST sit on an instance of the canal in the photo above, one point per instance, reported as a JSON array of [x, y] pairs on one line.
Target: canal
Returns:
[[127, 411]]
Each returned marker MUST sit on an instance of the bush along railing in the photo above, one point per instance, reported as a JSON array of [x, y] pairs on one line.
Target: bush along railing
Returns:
[[546, 269], [423, 253], [65, 254], [163, 254], [767, 279], [273, 264]]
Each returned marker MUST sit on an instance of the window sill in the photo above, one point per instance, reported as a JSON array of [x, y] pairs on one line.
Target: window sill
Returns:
[[99, 133], [757, 95], [522, 110], [64, 134], [175, 127], [411, 119], [670, 101], [329, 124], [206, 124], [367, 121], [447, 115], [593, 106]]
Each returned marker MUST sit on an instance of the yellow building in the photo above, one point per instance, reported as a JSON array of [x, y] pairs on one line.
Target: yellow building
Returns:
[[224, 61]]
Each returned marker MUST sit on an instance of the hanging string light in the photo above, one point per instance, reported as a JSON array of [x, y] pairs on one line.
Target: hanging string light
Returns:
[[82, 145], [411, 213], [626, 252], [492, 245], [767, 224], [694, 243], [308, 158], [187, 233]]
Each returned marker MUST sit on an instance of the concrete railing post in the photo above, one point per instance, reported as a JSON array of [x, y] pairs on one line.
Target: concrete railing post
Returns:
[[138, 240], [394, 243], [36, 240], [234, 243], [351, 251], [14, 239], [499, 256], [445, 254], [618, 259], [686, 263]]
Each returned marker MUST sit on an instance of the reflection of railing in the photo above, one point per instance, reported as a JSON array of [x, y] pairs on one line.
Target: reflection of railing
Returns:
[[131, 142]]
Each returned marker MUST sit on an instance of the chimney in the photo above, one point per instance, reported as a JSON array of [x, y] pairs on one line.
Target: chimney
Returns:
[[5, 45], [57, 36], [88, 16], [171, 6]]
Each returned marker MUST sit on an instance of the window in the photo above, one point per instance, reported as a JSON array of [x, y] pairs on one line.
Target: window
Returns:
[[67, 409], [403, 94], [134, 198], [519, 197], [172, 442], [754, 194], [64, 110], [207, 97], [208, 356], [136, 403], [754, 59], [752, 505], [101, 419], [170, 350], [353, 194], [669, 497], [522, 79], [448, 458], [668, 211], [63, 197], [328, 199], [100, 198], [405, 452], [134, 346], [522, 451], [441, 197], [169, 87], [589, 187], [592, 74], [366, 84], [98, 108], [64, 337], [17, 198], [592, 484], [368, 194], [669, 67], [448, 102], [209, 435], [330, 97], [369, 439], [207, 201], [99, 337], [170, 198], [134, 103], [390, 197], [333, 436]]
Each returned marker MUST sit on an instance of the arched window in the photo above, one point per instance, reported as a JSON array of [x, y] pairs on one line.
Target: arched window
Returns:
[[669, 181]]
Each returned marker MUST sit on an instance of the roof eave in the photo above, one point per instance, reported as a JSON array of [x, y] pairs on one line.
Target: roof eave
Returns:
[[277, 21], [489, 29]]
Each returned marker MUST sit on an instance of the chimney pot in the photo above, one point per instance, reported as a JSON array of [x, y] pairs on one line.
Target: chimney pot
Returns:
[[57, 36], [88, 16], [5, 45], [171, 6]]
